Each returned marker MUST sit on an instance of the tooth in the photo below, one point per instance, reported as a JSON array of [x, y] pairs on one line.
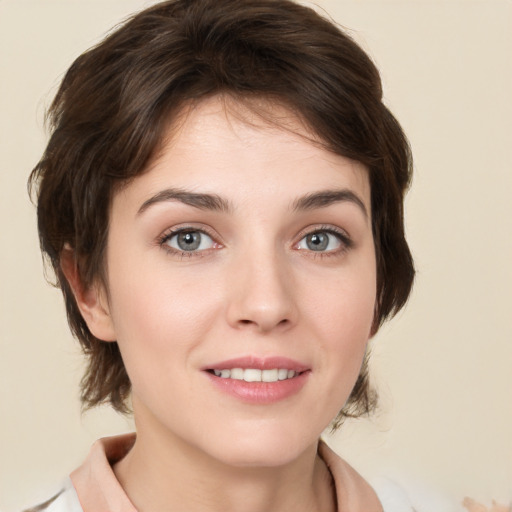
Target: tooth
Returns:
[[237, 373], [269, 375], [252, 375], [282, 374], [255, 375]]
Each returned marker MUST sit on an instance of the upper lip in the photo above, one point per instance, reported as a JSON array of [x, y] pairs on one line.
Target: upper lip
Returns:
[[260, 363]]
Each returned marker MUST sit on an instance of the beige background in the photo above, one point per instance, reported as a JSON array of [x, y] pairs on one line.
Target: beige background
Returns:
[[443, 367]]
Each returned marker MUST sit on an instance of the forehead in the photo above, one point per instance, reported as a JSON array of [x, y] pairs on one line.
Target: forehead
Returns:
[[241, 147]]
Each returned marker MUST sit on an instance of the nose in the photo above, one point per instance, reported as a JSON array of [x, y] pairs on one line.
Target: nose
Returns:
[[261, 294]]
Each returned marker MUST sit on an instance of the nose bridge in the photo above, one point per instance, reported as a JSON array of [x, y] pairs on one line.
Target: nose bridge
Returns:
[[261, 295]]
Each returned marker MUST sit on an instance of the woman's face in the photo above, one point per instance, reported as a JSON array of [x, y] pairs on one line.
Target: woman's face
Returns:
[[241, 276]]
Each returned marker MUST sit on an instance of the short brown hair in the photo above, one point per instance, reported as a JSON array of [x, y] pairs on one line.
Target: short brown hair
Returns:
[[117, 99]]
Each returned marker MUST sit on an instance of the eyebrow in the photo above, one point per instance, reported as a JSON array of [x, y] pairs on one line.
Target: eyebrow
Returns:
[[214, 202], [201, 201], [325, 198]]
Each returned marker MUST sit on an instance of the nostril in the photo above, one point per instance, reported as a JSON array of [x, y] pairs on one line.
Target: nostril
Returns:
[[263, 325], [284, 321]]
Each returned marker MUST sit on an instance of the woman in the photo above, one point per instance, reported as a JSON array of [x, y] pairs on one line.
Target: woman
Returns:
[[221, 200]]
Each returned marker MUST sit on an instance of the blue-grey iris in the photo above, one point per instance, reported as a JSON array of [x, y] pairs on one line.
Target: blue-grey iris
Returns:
[[317, 241], [189, 240]]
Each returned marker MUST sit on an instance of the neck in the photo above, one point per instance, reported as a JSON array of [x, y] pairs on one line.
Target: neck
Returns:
[[169, 474]]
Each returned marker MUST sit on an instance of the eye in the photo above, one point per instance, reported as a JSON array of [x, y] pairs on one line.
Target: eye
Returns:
[[189, 241], [323, 241]]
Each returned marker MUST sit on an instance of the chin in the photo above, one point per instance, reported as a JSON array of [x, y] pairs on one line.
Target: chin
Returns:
[[262, 447]]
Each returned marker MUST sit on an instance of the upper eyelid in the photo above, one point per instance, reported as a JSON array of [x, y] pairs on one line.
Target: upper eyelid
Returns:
[[213, 234], [173, 233], [343, 237], [328, 228], [163, 239], [169, 232]]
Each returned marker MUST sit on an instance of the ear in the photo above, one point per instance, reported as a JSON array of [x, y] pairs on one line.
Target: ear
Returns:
[[91, 301]]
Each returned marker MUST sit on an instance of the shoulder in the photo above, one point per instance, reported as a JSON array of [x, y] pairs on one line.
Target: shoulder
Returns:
[[64, 501], [397, 495], [394, 494]]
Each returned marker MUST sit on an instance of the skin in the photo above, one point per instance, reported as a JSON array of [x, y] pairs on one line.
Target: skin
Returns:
[[255, 287]]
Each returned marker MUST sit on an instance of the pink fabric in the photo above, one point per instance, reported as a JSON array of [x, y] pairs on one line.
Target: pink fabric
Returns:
[[94, 481], [352, 491], [99, 490]]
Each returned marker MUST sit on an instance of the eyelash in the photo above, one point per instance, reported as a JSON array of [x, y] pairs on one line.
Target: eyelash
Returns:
[[170, 233], [346, 243]]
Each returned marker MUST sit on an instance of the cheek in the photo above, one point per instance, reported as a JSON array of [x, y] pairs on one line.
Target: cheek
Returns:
[[342, 314], [160, 306], [345, 327], [160, 319], [344, 304]]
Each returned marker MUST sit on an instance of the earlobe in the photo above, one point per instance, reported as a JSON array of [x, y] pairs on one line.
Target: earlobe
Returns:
[[91, 300]]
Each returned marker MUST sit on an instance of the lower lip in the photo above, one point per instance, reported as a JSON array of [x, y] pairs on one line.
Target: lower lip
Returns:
[[260, 392]]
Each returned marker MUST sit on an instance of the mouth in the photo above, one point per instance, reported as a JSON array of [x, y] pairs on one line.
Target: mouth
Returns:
[[259, 380], [255, 374]]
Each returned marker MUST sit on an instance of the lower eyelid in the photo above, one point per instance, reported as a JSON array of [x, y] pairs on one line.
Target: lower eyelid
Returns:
[[163, 241], [343, 238]]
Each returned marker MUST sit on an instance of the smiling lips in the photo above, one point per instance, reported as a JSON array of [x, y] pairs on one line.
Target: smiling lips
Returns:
[[256, 375], [259, 381]]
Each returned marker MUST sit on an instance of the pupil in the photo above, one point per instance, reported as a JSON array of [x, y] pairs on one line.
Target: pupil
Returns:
[[189, 241], [317, 242]]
